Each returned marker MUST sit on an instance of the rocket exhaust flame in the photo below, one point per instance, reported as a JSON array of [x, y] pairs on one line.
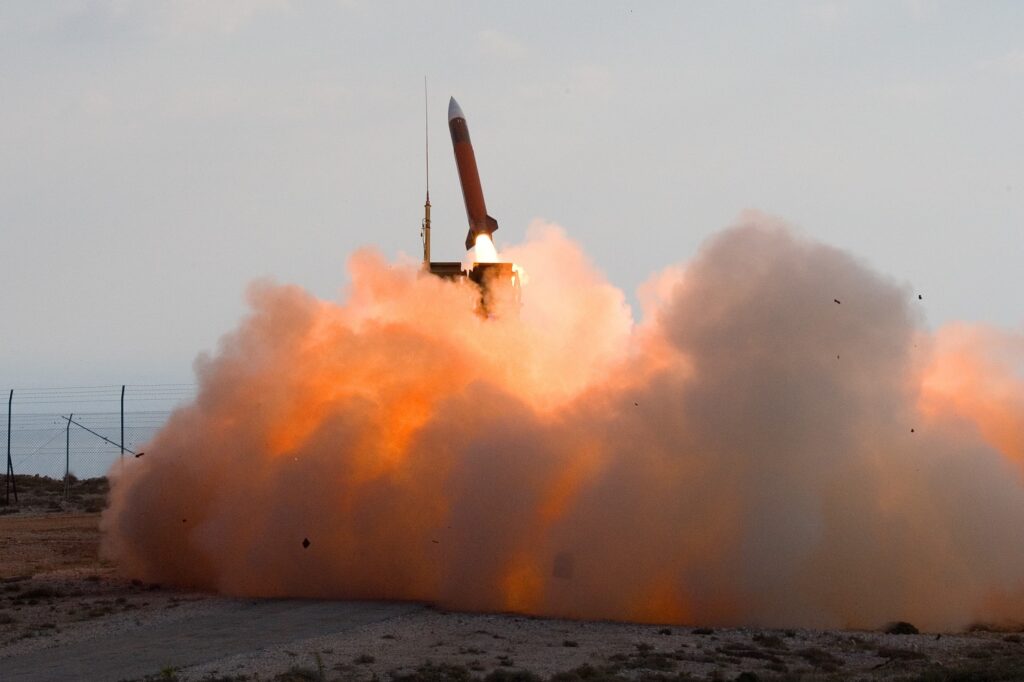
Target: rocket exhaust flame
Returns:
[[741, 455], [484, 250]]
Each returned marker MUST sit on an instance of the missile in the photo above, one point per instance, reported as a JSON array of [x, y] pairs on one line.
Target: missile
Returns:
[[469, 177]]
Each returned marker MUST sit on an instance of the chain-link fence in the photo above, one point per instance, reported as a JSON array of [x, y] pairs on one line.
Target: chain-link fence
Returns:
[[82, 430]]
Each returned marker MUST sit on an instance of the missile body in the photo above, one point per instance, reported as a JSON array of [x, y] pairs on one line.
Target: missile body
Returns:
[[469, 177]]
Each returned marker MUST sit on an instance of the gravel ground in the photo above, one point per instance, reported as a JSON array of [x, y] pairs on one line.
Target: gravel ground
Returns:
[[428, 641], [64, 614]]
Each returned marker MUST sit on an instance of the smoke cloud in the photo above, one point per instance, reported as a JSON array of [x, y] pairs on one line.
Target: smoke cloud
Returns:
[[777, 442]]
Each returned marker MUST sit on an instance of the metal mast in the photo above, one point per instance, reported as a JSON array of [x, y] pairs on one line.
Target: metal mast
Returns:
[[425, 231]]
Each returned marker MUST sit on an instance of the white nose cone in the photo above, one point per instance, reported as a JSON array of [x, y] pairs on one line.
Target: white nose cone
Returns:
[[454, 110]]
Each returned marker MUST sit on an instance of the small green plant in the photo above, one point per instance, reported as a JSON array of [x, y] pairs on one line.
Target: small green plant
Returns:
[[1003, 671], [434, 672], [820, 659], [900, 654], [297, 674], [501, 675], [644, 658], [42, 592], [738, 650], [770, 641]]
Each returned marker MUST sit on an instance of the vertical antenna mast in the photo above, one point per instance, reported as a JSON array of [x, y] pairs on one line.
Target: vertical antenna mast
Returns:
[[425, 232]]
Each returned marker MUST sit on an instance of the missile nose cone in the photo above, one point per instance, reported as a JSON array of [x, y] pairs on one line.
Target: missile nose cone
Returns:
[[454, 110]]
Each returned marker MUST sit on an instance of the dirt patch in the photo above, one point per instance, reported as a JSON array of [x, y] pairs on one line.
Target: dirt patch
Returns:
[[35, 543]]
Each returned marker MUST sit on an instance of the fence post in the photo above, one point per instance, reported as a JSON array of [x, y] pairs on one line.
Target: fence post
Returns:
[[67, 460], [122, 424], [10, 483]]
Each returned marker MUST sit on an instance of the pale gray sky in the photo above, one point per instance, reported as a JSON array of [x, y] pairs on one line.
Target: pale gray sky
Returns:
[[157, 156]]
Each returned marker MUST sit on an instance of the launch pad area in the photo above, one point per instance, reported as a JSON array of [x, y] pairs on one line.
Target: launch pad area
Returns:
[[495, 280]]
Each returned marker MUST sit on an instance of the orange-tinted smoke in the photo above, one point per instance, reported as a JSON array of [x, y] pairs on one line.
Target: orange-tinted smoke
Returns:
[[742, 455], [976, 375]]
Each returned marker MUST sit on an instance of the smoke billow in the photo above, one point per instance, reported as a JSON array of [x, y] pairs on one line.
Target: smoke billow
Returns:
[[777, 442]]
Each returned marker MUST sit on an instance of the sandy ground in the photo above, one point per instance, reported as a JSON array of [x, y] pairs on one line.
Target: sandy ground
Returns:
[[64, 614]]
